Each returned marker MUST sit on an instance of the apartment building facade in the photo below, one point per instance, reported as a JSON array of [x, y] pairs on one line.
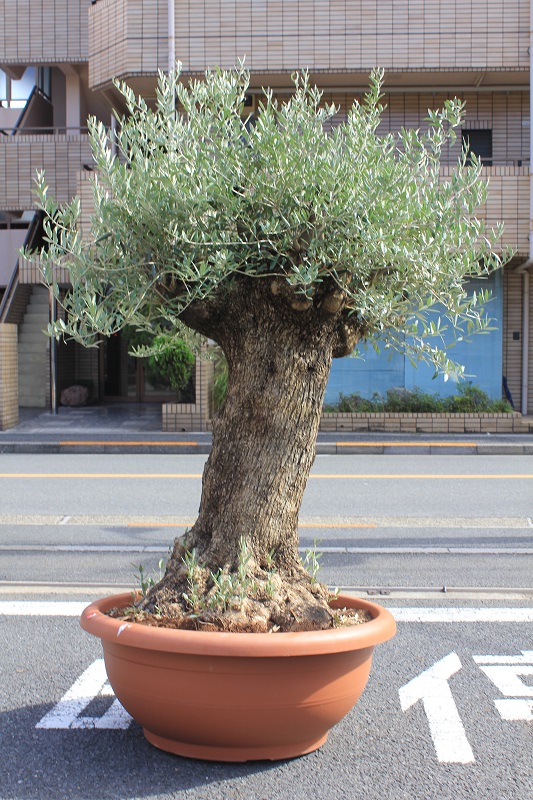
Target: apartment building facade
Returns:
[[58, 59]]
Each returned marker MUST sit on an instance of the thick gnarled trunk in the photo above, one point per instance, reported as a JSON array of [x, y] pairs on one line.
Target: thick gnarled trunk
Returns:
[[279, 355], [263, 446]]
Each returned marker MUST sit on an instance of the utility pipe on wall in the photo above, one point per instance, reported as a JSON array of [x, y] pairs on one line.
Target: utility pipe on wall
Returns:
[[172, 36], [524, 269]]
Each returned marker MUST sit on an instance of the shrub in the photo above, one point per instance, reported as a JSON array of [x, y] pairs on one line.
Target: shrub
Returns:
[[172, 366], [168, 360], [469, 399], [413, 401]]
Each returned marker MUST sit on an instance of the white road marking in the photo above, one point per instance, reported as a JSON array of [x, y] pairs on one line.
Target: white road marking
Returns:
[[462, 614], [445, 725], [515, 710], [525, 658], [39, 608], [507, 679], [346, 550], [71, 608], [505, 672], [67, 714]]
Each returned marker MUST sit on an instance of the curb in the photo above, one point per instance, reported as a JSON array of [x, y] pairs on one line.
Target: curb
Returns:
[[155, 446]]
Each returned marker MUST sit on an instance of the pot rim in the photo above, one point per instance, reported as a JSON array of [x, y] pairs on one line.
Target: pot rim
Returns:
[[220, 643]]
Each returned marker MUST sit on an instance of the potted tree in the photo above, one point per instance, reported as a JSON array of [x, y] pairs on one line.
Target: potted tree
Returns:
[[287, 245]]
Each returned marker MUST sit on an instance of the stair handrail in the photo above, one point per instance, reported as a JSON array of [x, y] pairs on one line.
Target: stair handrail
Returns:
[[34, 230]]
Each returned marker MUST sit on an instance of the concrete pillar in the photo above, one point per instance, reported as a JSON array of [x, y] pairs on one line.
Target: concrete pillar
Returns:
[[9, 409], [193, 416], [205, 373], [73, 103]]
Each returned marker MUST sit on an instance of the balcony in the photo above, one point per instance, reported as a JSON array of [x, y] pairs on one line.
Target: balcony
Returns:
[[43, 32], [62, 155], [486, 41], [127, 40]]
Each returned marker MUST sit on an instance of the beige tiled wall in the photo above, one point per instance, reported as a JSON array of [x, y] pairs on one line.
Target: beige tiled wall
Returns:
[[508, 197], [20, 156], [43, 31], [283, 35], [9, 415], [127, 38]]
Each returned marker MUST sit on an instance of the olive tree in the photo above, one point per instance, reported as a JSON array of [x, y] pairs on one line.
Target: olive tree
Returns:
[[287, 242]]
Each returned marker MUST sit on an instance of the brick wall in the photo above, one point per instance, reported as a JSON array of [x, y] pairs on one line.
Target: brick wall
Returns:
[[426, 423], [130, 38], [178, 417], [127, 38], [61, 156], [43, 31]]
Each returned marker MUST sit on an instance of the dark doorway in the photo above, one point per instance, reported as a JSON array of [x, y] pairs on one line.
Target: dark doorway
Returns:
[[125, 377]]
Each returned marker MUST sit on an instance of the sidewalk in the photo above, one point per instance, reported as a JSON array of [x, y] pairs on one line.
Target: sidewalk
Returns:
[[136, 428]]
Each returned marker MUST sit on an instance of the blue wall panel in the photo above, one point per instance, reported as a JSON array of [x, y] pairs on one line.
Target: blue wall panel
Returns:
[[481, 356]]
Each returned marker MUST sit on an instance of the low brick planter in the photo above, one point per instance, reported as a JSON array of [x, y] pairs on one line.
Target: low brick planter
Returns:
[[184, 417], [177, 417], [426, 423]]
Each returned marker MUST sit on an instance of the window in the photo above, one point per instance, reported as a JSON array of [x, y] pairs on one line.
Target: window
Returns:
[[479, 142]]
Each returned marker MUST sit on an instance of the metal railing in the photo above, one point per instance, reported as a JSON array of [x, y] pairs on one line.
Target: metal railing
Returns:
[[32, 237], [47, 130]]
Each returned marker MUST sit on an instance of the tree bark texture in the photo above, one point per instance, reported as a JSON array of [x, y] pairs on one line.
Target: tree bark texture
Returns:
[[279, 348]]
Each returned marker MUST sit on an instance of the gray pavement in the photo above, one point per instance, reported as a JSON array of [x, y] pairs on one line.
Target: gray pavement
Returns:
[[445, 544], [136, 428]]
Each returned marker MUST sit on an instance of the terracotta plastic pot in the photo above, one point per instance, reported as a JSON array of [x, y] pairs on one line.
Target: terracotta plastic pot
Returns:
[[237, 696]]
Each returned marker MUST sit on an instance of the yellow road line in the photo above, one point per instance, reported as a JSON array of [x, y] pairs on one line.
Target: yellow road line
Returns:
[[137, 444], [333, 476], [409, 476], [91, 475], [406, 444]]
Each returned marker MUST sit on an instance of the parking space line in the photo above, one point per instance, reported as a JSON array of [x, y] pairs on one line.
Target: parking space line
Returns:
[[74, 608]]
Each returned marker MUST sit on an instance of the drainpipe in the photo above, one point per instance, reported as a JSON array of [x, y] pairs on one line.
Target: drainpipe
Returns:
[[172, 36], [172, 42], [526, 265]]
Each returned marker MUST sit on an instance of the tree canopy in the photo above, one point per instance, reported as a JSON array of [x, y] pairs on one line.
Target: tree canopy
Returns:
[[287, 241], [336, 214]]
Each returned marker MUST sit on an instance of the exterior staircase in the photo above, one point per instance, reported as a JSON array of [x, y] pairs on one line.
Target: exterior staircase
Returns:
[[33, 350]]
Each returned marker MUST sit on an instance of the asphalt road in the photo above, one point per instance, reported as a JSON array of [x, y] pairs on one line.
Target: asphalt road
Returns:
[[380, 521], [72, 527], [437, 486]]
